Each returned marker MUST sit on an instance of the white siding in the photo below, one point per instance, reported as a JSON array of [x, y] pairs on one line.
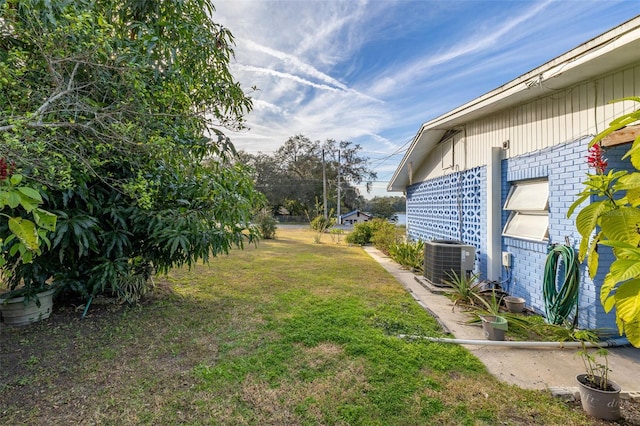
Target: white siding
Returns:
[[432, 165], [561, 116]]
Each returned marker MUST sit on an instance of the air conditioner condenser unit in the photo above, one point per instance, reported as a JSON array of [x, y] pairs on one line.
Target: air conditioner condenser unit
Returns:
[[443, 258]]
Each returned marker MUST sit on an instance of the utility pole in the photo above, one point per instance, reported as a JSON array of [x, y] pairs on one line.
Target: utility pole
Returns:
[[339, 220], [324, 187]]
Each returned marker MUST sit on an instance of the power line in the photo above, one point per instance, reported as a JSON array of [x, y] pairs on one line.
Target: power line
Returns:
[[400, 150]]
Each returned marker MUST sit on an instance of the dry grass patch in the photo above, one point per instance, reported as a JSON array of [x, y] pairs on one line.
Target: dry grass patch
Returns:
[[489, 402], [325, 376]]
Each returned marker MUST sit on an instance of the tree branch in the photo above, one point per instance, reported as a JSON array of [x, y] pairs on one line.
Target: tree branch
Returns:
[[39, 112], [41, 125]]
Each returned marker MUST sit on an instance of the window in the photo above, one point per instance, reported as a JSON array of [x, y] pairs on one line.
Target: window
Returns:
[[528, 202]]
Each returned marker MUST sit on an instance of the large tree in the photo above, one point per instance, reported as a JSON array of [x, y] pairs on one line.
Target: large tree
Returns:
[[292, 177], [116, 110], [385, 207]]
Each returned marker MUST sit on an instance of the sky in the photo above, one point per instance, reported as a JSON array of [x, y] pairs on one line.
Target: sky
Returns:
[[373, 71]]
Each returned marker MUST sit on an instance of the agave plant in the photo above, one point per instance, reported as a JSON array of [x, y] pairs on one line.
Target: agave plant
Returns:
[[465, 288], [491, 304]]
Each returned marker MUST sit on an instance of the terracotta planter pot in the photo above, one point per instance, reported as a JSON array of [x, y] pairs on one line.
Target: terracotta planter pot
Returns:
[[599, 403], [15, 311]]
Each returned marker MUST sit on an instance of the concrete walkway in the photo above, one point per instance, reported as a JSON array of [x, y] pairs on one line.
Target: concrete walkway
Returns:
[[529, 368]]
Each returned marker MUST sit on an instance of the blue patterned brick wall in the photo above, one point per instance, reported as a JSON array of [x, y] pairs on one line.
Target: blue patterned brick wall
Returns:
[[565, 166], [435, 209]]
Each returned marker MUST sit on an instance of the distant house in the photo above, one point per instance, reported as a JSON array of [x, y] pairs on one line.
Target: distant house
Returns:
[[501, 171], [354, 217]]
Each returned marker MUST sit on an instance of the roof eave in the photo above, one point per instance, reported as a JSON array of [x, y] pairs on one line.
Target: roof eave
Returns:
[[615, 49]]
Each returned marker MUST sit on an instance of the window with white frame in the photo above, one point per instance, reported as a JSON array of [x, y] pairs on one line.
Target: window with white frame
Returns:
[[528, 202]]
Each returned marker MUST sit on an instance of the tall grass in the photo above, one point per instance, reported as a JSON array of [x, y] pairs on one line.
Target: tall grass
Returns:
[[409, 254]]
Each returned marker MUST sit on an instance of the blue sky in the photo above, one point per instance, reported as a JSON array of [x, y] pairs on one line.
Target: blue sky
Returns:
[[372, 71]]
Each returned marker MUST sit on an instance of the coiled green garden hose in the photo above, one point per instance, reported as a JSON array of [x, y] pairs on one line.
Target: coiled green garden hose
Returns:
[[559, 301]]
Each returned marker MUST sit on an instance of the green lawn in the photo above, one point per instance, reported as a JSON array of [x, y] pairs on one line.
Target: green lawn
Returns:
[[289, 332]]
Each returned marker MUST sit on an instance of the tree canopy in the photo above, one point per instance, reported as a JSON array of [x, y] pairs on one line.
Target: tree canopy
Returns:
[[116, 112], [292, 177], [385, 207]]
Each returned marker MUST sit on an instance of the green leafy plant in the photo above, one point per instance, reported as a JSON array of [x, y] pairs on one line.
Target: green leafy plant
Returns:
[[131, 288], [597, 371], [361, 234], [613, 215], [596, 362], [266, 223], [385, 234], [492, 304], [465, 288], [366, 232], [129, 145], [409, 254], [322, 224], [26, 228]]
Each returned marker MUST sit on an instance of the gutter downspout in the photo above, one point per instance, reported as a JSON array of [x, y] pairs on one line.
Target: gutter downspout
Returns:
[[494, 215]]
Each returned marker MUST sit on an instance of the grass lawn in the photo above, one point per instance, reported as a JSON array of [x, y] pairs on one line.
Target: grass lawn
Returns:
[[290, 332]]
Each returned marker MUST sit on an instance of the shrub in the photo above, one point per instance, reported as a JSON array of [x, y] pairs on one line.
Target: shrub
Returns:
[[320, 224], [361, 234], [409, 254], [385, 234], [266, 223], [378, 231], [139, 175]]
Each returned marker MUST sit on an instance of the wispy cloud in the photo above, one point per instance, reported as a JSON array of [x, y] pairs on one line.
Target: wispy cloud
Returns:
[[293, 62], [487, 37], [372, 71], [272, 72]]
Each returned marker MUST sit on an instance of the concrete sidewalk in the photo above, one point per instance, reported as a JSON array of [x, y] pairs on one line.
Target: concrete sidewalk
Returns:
[[536, 368]]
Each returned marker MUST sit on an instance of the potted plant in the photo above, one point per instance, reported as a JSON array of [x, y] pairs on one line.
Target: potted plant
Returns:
[[24, 306], [21, 237], [599, 395], [493, 324]]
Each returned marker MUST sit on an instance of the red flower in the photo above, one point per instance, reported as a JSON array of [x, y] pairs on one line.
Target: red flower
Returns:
[[595, 159], [4, 169]]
